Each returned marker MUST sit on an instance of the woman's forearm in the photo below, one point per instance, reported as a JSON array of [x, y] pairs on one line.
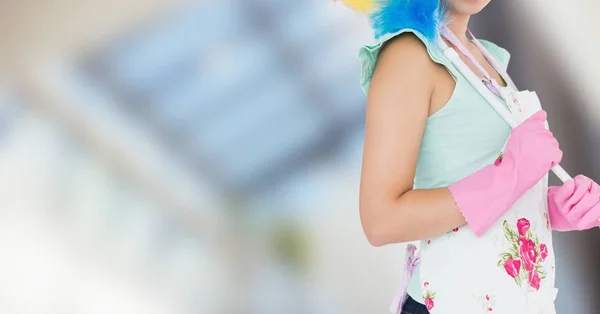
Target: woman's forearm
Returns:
[[415, 215]]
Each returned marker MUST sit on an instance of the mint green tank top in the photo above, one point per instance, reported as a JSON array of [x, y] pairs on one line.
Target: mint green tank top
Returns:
[[459, 139]]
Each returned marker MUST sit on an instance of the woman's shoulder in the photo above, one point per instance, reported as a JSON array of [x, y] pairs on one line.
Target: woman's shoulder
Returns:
[[407, 44]]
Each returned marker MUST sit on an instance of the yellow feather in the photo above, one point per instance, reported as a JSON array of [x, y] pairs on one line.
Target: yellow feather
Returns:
[[363, 6]]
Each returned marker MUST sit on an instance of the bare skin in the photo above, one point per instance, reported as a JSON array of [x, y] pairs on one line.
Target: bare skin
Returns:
[[407, 87]]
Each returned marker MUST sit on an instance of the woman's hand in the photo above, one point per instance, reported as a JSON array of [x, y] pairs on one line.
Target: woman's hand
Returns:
[[575, 205], [534, 150]]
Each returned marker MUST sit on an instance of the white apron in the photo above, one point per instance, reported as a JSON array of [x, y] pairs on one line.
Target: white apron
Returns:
[[511, 268]]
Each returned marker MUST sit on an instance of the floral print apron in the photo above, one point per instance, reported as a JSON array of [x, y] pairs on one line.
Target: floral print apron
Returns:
[[511, 268]]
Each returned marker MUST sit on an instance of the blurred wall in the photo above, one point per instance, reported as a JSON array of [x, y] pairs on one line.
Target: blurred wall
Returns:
[[33, 31]]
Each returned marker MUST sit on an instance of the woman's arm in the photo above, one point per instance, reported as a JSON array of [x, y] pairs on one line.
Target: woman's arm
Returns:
[[397, 110]]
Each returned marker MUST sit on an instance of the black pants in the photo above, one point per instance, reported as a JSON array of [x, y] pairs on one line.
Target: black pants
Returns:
[[413, 307]]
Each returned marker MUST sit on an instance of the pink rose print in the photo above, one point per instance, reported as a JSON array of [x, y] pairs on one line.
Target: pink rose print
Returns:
[[524, 256], [543, 252], [428, 241], [523, 226], [452, 232], [498, 161], [513, 267], [428, 296], [534, 280], [528, 253], [487, 303], [429, 303]]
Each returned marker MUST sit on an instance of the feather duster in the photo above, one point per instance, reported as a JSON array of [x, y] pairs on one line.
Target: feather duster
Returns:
[[391, 16]]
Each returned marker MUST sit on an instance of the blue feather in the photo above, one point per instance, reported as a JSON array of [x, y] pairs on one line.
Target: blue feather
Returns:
[[423, 16]]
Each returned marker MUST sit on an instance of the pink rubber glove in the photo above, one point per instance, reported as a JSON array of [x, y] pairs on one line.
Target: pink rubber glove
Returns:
[[575, 205], [486, 195]]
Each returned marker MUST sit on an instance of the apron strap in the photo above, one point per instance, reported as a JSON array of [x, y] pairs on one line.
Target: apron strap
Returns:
[[411, 261], [495, 102], [451, 37], [493, 61], [490, 83]]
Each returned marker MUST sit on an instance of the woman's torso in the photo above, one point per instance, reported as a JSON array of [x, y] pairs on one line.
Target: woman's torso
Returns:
[[461, 137]]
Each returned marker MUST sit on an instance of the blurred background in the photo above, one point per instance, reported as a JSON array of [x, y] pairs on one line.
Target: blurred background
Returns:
[[176, 156]]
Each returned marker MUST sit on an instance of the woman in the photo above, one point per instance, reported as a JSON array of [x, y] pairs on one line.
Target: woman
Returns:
[[432, 170]]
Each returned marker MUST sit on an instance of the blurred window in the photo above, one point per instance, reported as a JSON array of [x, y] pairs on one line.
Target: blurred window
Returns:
[[247, 92]]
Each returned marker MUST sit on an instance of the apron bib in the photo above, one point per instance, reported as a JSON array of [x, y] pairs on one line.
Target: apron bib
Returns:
[[511, 268]]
